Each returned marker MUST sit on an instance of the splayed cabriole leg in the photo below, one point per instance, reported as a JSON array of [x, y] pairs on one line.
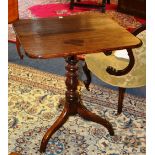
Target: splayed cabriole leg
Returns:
[[72, 104], [58, 123], [86, 114]]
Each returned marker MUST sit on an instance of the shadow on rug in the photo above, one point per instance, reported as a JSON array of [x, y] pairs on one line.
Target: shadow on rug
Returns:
[[35, 101]]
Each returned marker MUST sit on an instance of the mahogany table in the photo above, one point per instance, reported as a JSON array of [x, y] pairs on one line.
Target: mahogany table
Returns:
[[67, 37]]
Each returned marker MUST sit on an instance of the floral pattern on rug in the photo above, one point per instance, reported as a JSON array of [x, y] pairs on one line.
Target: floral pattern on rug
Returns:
[[57, 8], [35, 101], [127, 21]]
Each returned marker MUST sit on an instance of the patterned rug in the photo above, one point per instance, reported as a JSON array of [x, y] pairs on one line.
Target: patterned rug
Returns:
[[36, 100], [49, 8]]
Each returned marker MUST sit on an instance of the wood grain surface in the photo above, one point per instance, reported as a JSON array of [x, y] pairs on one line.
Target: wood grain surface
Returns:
[[72, 35]]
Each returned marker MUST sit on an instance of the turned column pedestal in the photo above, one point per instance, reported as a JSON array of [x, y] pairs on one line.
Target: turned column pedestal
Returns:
[[73, 104]]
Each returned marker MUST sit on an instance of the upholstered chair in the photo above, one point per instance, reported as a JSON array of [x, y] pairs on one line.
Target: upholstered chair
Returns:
[[13, 15], [123, 68]]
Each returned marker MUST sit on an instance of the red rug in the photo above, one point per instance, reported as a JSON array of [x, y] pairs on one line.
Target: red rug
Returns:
[[60, 9], [49, 10]]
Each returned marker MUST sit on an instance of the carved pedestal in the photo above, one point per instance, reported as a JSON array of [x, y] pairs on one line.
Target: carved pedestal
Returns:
[[73, 104]]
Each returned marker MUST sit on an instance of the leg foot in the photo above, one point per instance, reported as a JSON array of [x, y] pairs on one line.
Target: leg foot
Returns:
[[86, 114], [58, 123]]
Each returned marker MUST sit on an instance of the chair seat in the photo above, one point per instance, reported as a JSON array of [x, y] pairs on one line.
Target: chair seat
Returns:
[[97, 64]]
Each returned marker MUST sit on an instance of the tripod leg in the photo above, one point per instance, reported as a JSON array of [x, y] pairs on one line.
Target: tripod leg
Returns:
[[58, 123], [86, 114]]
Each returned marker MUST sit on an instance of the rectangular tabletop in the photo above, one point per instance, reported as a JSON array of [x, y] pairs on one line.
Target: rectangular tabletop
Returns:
[[72, 35]]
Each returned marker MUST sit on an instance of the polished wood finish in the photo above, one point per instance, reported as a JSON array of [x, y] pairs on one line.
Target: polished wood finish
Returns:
[[13, 15], [133, 7], [86, 114], [73, 104], [57, 37], [58, 123], [68, 37]]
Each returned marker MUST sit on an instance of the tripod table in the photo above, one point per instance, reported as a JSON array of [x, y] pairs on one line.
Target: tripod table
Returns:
[[68, 37]]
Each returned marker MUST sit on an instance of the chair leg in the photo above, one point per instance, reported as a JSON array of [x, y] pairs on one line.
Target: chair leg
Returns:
[[18, 48], [71, 4], [120, 100], [108, 1], [88, 76], [103, 6]]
